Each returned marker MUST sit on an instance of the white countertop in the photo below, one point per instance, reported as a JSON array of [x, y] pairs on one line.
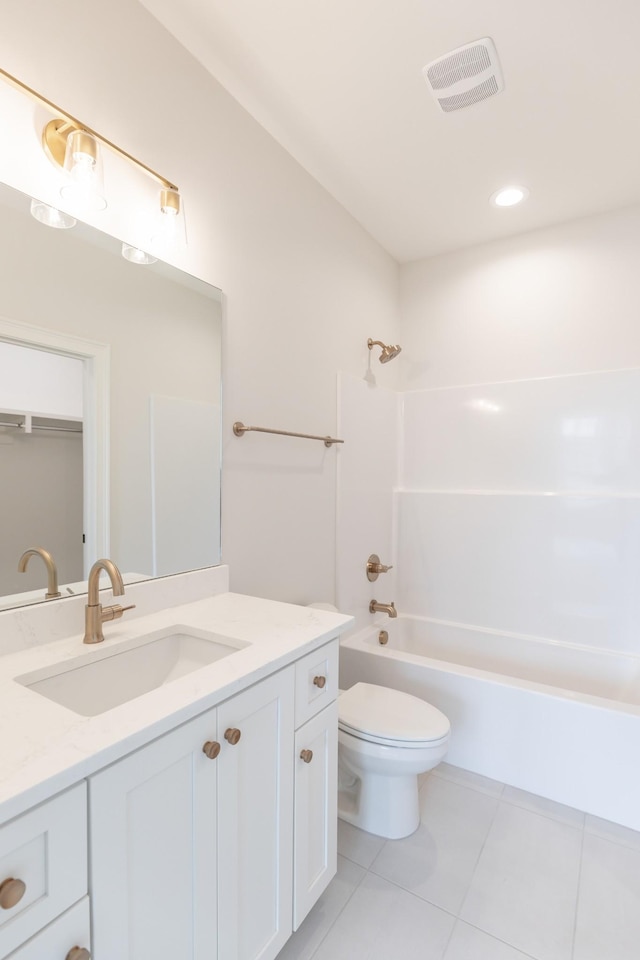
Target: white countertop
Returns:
[[44, 747]]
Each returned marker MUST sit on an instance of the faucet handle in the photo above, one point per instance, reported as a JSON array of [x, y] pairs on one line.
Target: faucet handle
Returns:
[[115, 611], [374, 567]]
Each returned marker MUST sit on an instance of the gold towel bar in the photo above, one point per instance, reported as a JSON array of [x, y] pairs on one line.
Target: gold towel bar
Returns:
[[239, 429]]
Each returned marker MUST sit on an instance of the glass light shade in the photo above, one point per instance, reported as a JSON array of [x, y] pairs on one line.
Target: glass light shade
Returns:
[[51, 216], [85, 185], [169, 222], [136, 255]]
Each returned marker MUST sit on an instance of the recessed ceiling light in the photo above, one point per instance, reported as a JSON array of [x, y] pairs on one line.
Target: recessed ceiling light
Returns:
[[509, 196]]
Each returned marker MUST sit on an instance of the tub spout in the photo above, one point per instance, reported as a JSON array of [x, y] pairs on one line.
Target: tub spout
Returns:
[[388, 608]]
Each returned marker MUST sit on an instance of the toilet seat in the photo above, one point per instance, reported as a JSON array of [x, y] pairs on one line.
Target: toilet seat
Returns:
[[390, 718]]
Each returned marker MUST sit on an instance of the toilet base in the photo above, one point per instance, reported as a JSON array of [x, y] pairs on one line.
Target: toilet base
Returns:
[[385, 806]]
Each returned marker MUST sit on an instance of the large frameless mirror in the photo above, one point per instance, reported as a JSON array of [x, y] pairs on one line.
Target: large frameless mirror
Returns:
[[110, 382]]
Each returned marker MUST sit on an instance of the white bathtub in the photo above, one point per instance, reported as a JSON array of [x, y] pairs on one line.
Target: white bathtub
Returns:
[[558, 720]]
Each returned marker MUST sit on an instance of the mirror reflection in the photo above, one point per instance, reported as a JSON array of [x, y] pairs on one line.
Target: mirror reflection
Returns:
[[109, 410]]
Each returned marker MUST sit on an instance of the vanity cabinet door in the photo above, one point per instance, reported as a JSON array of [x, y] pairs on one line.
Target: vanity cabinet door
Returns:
[[255, 815], [316, 809], [153, 850]]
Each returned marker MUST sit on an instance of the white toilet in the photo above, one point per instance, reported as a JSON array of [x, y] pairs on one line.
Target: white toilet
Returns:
[[386, 738]]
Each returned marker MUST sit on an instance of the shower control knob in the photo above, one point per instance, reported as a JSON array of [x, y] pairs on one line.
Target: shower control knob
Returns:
[[307, 756], [211, 749], [232, 735], [374, 567]]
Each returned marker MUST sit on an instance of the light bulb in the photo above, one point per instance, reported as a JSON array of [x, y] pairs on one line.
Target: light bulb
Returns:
[[168, 221], [51, 216]]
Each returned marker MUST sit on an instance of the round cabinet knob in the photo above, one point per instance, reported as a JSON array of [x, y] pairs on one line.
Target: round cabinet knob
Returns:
[[78, 953], [212, 749], [307, 756], [320, 681], [11, 893], [232, 735]]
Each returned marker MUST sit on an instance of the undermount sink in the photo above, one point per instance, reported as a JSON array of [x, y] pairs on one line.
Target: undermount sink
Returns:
[[91, 684]]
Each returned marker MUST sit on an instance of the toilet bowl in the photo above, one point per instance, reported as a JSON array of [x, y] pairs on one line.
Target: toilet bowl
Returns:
[[386, 739]]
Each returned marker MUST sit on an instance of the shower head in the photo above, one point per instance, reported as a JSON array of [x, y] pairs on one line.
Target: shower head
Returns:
[[389, 350]]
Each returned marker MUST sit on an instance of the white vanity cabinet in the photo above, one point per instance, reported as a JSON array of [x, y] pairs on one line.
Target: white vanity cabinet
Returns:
[[191, 851]]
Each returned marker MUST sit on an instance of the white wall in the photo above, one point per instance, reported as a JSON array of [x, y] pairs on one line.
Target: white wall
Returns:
[[519, 500], [305, 285]]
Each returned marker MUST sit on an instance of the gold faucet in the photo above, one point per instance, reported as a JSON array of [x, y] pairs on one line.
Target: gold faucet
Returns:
[[94, 613], [52, 573], [390, 608]]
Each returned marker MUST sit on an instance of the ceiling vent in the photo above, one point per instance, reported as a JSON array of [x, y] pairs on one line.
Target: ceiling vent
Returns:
[[465, 76]]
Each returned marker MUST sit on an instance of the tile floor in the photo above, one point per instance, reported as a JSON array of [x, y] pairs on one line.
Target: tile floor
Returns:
[[492, 873]]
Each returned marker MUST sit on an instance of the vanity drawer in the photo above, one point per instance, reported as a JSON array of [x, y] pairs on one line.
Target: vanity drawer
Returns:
[[45, 850], [57, 941], [316, 681]]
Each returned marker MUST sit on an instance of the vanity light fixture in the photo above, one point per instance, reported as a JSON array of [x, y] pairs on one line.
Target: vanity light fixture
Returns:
[[76, 148], [509, 196]]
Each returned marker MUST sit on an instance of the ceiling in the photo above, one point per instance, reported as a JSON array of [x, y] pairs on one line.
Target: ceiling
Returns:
[[339, 84]]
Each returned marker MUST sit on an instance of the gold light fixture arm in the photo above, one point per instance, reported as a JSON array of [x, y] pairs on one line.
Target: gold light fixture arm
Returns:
[[56, 130]]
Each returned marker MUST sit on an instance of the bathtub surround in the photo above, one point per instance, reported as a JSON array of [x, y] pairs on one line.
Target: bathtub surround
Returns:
[[515, 517]]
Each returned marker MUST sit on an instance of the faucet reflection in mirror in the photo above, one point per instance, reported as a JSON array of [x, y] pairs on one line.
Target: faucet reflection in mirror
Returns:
[[52, 573]]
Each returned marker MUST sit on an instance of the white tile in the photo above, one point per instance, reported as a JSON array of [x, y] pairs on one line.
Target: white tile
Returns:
[[305, 941], [524, 889], [467, 778], [381, 921], [357, 845], [548, 808], [564, 568], [468, 943], [607, 830], [608, 924], [438, 860], [575, 433]]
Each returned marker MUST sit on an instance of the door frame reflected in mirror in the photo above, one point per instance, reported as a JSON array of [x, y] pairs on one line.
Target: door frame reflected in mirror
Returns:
[[95, 440]]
